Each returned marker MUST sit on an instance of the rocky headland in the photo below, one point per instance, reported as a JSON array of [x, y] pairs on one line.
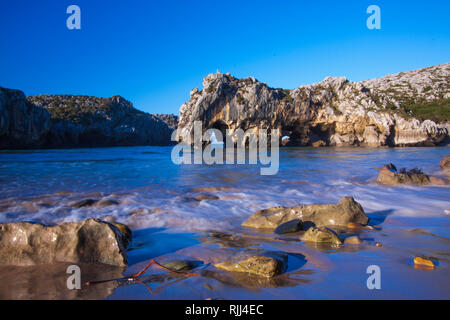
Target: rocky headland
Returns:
[[65, 121], [405, 109]]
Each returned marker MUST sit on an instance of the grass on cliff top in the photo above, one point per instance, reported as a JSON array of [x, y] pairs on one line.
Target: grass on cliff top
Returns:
[[438, 111]]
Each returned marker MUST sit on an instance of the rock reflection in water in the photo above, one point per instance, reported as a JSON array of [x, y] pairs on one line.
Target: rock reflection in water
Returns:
[[253, 282], [49, 282]]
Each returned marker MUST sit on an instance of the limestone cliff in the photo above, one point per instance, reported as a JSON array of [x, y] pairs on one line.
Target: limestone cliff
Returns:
[[21, 123], [77, 121], [406, 109]]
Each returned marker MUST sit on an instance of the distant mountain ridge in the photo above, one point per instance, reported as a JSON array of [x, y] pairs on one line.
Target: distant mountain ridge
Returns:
[[67, 121]]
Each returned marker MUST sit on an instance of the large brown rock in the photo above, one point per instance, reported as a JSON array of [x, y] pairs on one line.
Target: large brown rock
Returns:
[[91, 241], [340, 214]]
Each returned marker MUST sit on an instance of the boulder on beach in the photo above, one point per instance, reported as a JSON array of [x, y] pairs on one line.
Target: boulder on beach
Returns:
[[265, 263], [340, 214], [89, 241], [445, 163], [389, 175], [322, 235]]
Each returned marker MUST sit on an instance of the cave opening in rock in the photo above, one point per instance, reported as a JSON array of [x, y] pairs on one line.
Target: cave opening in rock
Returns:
[[222, 127], [320, 134]]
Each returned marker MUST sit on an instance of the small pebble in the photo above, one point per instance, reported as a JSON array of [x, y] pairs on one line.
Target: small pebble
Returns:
[[424, 262]]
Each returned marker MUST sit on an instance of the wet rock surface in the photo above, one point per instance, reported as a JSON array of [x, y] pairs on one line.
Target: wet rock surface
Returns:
[[289, 227], [355, 240], [264, 263], [321, 235], [89, 241], [347, 210]]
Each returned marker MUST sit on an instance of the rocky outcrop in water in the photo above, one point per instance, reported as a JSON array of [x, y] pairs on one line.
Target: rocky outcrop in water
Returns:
[[89, 241], [389, 175], [340, 214], [406, 109], [78, 121]]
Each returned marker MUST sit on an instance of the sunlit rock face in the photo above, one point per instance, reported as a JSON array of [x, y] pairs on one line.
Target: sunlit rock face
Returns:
[[334, 112], [88, 241], [340, 214]]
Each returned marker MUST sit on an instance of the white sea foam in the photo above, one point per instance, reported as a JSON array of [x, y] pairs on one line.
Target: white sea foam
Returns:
[[151, 197]]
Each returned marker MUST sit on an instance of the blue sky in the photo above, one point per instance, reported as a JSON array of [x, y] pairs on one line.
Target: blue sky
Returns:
[[154, 52]]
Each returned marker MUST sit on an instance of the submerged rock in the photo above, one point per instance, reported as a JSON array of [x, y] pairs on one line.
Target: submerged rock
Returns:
[[83, 203], [289, 227], [353, 240], [227, 240], [180, 265], [322, 235], [203, 197], [390, 176], [347, 210], [267, 263], [90, 241], [107, 203]]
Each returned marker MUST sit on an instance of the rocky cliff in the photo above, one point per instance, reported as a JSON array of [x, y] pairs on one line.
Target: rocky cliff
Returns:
[[405, 109], [77, 121], [21, 122]]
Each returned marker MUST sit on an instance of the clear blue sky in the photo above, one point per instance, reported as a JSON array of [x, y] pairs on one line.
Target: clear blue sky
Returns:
[[154, 52]]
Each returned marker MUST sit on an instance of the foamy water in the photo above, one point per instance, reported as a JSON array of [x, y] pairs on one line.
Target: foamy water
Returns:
[[40, 186], [159, 201]]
